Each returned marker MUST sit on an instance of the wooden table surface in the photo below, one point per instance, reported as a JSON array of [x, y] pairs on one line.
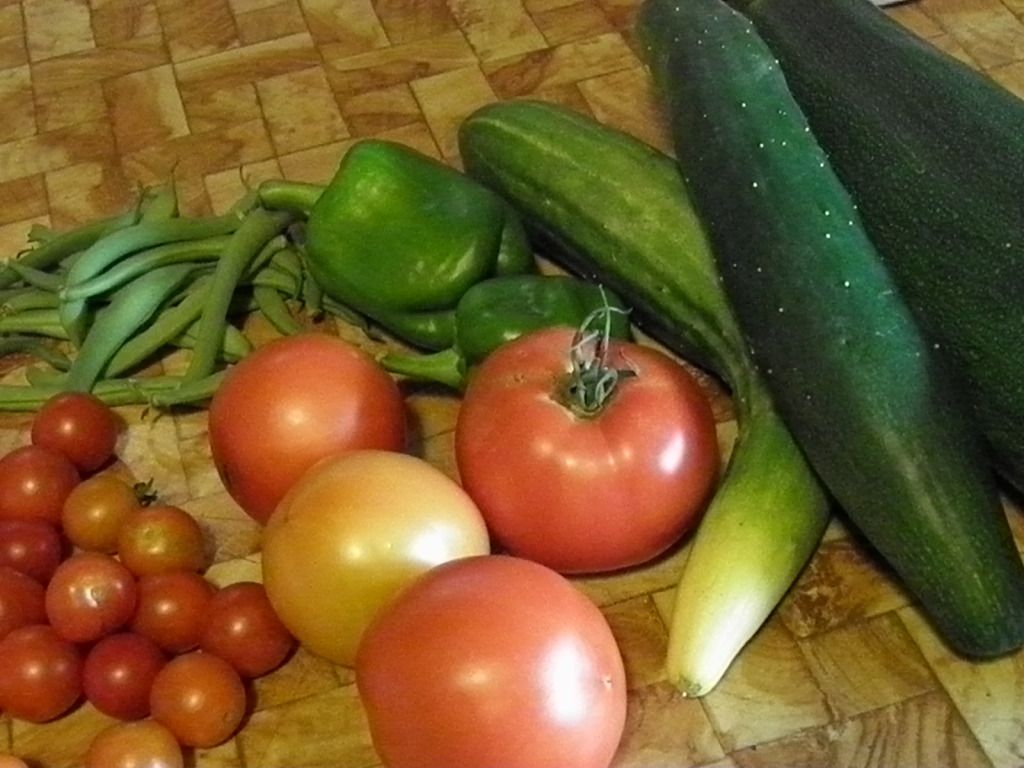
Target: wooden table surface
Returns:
[[102, 96]]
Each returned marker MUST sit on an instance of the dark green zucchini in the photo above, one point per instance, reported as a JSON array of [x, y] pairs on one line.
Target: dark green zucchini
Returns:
[[933, 153], [849, 369]]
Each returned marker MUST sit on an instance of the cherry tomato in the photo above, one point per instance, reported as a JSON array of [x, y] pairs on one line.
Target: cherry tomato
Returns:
[[95, 510], [516, 654], [172, 609], [119, 672], [40, 674], [352, 532], [292, 402], [89, 596], [578, 491], [78, 425], [34, 482], [243, 629], [143, 744], [161, 538], [200, 698], [30, 546], [22, 601]]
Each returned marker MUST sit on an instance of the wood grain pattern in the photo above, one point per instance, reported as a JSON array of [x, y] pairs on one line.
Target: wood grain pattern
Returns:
[[102, 96]]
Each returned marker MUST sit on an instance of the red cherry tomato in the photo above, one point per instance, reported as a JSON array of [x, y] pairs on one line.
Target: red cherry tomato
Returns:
[[144, 744], [30, 546], [40, 674], [577, 491], [172, 609], [200, 698], [516, 654], [291, 403], [243, 629], [95, 510], [22, 601], [78, 425], [119, 672], [161, 538], [89, 596], [34, 482]]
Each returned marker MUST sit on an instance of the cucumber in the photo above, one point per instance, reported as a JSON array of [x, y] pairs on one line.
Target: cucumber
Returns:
[[933, 154], [849, 369], [606, 206]]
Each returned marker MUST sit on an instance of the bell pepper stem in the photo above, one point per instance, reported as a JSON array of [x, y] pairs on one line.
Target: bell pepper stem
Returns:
[[446, 367], [293, 196]]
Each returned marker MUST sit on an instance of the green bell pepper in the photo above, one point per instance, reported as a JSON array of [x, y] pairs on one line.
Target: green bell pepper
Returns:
[[500, 309], [400, 237]]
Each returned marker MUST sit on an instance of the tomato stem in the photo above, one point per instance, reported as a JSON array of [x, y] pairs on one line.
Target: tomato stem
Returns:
[[593, 380]]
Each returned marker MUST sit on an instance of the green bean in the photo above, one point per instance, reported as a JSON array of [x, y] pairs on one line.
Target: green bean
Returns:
[[35, 298], [348, 315], [281, 281], [32, 345], [274, 308], [206, 249], [235, 346], [273, 245], [164, 329], [186, 392], [312, 293], [53, 249], [158, 391], [259, 226], [111, 249], [38, 322], [130, 307], [160, 204], [37, 278], [293, 196], [288, 261]]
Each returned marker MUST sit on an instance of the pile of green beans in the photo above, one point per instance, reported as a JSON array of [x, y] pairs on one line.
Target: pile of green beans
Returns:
[[92, 307]]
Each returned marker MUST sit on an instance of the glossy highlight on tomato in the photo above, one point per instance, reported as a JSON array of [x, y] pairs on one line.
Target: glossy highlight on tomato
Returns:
[[585, 491], [492, 661], [291, 403]]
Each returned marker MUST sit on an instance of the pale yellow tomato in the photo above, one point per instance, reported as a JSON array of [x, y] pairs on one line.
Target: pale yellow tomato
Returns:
[[353, 531]]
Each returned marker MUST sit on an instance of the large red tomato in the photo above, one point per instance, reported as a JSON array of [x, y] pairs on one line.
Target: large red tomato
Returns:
[[355, 530], [584, 487], [492, 661], [293, 402]]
